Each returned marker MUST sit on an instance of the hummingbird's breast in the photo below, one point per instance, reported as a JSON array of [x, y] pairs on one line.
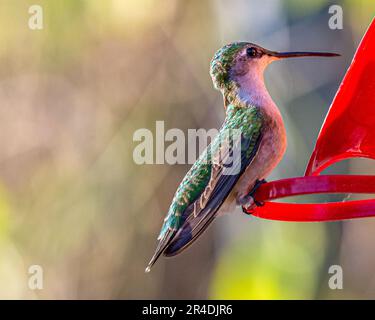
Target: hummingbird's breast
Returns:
[[271, 150]]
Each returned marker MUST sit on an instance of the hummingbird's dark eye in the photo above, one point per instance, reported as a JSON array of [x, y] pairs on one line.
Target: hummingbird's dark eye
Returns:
[[251, 52]]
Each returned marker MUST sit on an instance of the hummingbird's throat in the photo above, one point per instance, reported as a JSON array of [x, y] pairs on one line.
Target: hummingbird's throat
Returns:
[[249, 89]]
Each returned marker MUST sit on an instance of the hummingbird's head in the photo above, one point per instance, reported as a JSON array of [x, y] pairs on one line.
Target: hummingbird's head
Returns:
[[237, 61]]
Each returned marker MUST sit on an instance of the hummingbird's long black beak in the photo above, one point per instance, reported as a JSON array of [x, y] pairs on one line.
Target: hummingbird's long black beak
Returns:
[[297, 54]]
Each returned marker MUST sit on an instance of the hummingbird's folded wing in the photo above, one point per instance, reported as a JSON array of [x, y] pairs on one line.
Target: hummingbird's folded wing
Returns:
[[207, 184], [201, 212]]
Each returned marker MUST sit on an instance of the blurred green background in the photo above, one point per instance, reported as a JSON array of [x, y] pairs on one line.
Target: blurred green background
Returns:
[[73, 201]]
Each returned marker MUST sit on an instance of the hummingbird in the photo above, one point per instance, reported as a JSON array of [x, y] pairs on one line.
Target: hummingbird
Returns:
[[207, 191]]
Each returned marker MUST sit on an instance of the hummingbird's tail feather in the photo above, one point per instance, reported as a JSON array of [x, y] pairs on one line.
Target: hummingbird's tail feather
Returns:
[[152, 261], [163, 243]]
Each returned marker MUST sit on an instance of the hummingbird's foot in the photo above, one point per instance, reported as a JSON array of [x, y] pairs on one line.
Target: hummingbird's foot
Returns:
[[257, 184], [246, 211], [249, 201]]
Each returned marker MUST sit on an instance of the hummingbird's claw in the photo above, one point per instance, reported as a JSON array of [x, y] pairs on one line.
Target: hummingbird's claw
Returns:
[[246, 211], [259, 203], [257, 184]]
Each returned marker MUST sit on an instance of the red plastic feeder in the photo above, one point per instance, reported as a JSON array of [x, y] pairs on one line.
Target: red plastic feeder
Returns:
[[347, 132]]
